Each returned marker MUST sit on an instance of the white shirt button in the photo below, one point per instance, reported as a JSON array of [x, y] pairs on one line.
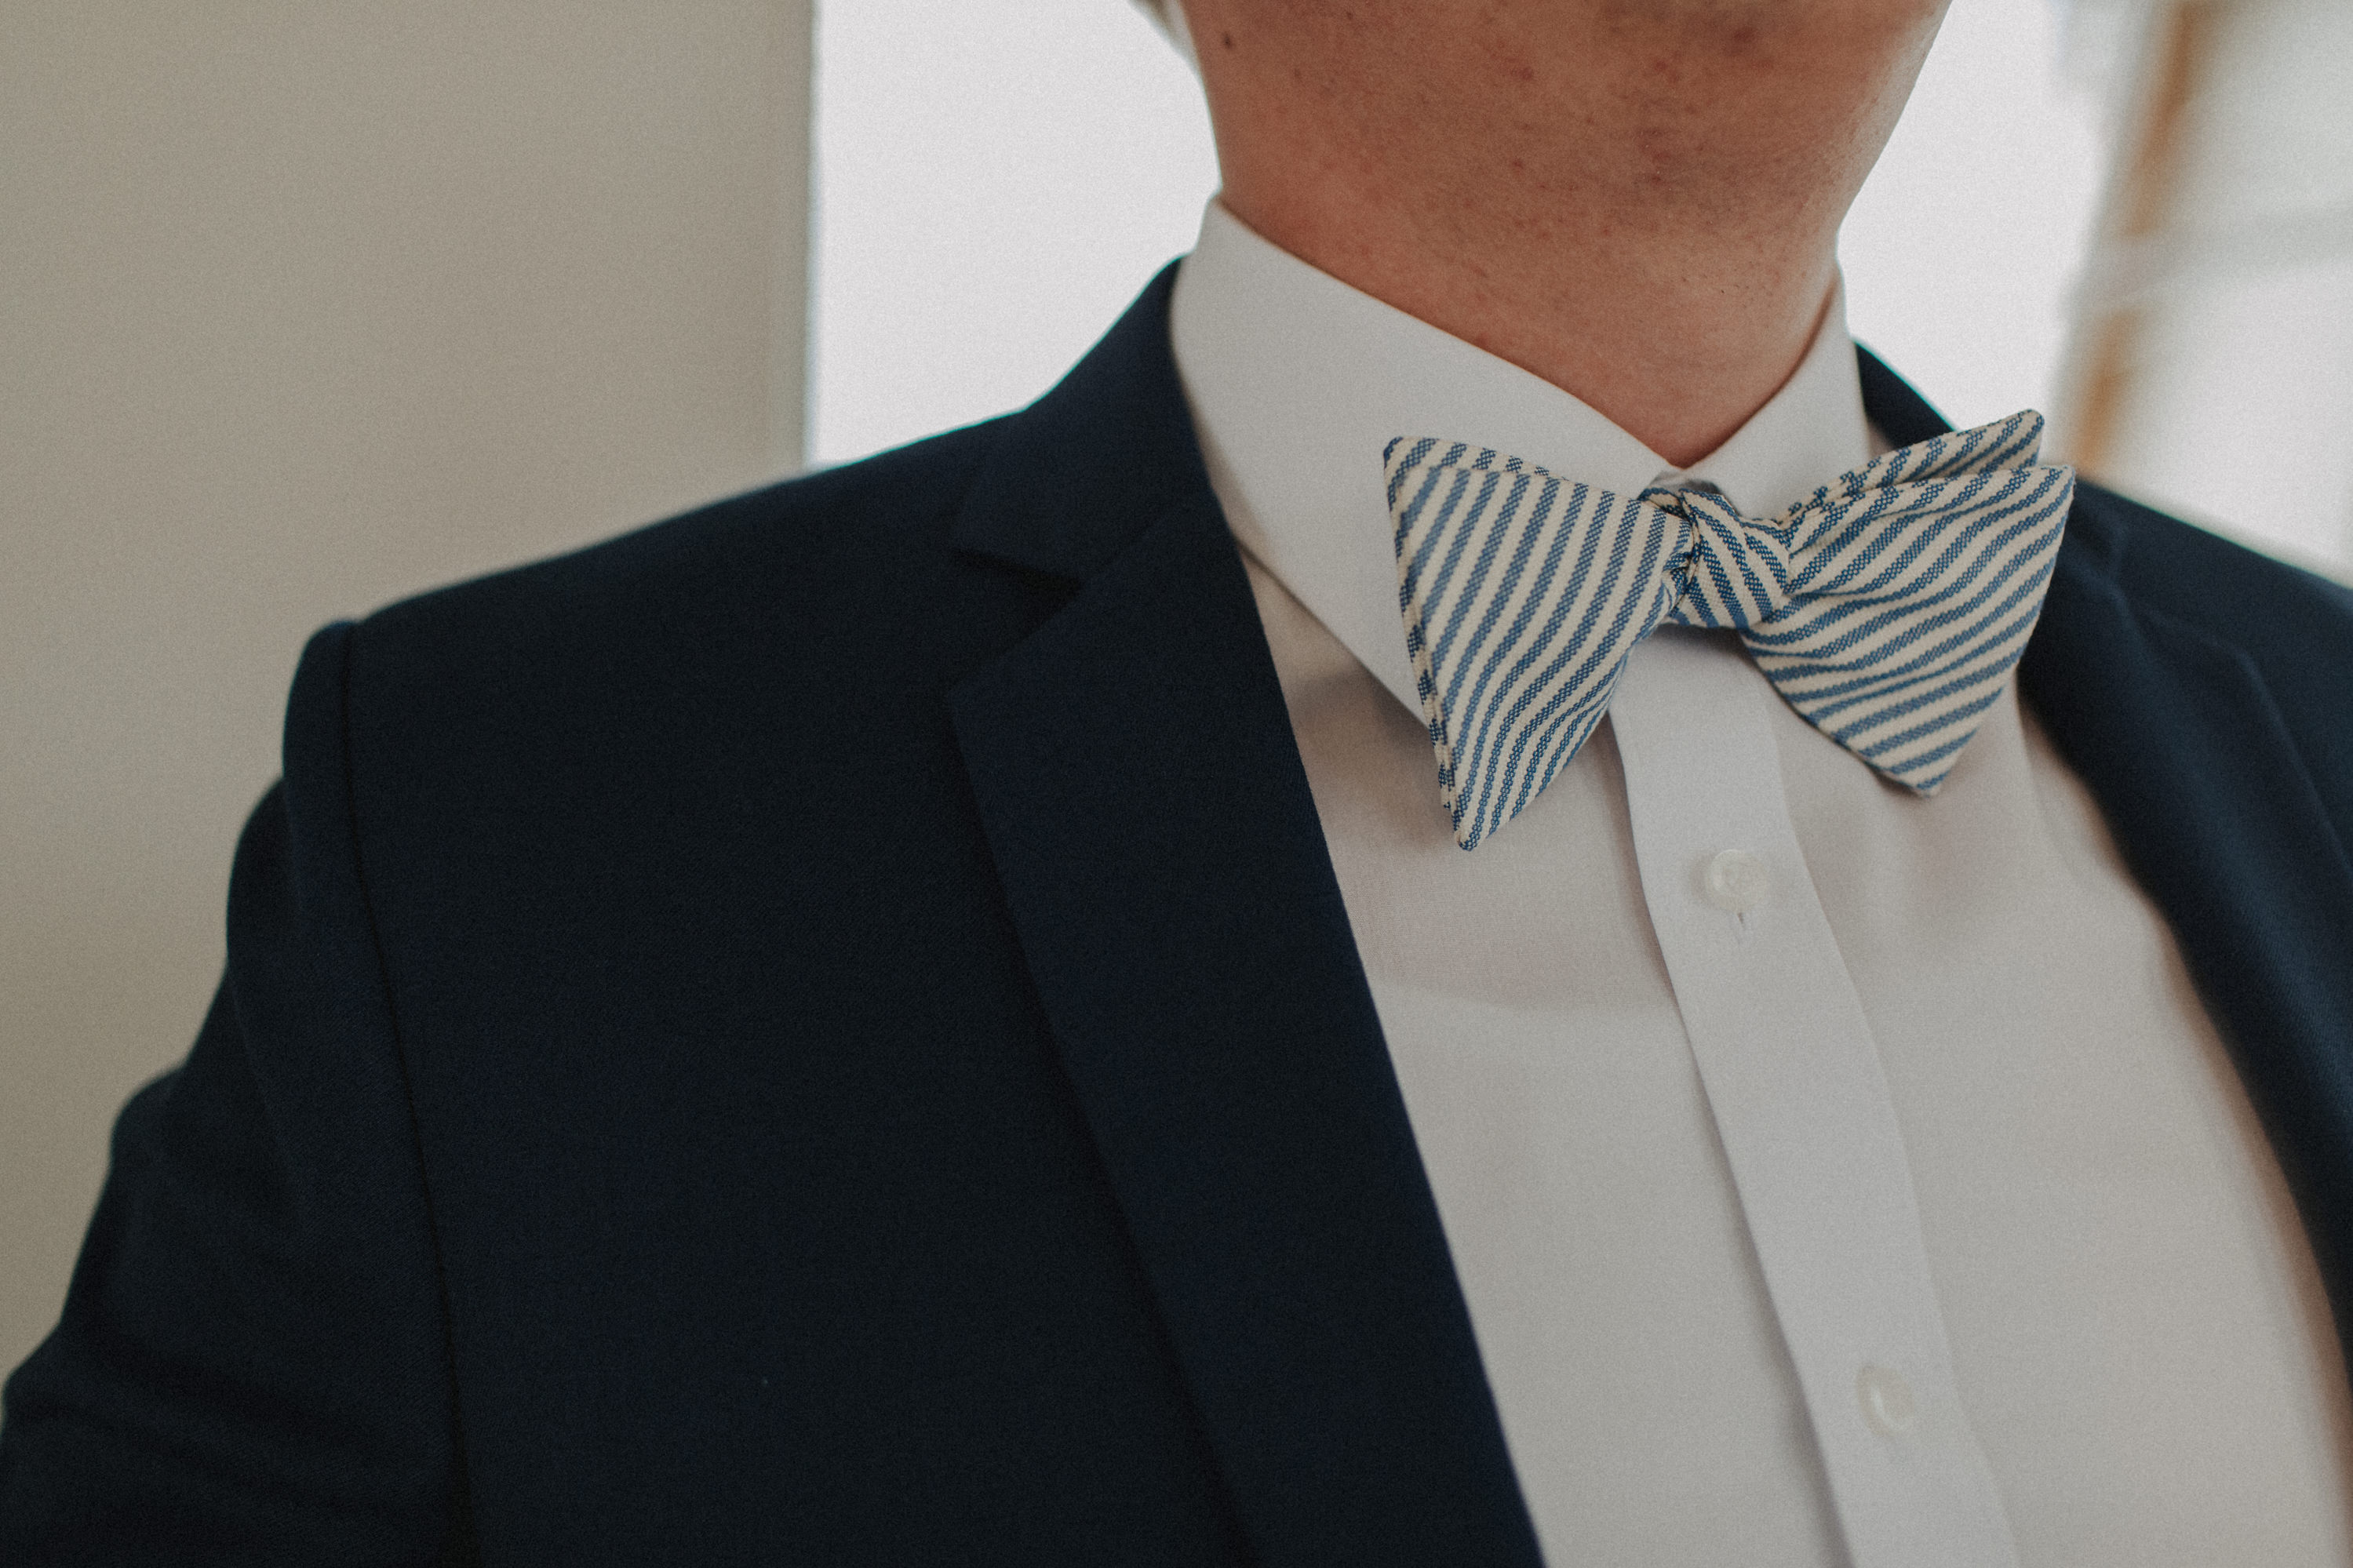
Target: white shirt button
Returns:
[[1736, 880], [1887, 1402]]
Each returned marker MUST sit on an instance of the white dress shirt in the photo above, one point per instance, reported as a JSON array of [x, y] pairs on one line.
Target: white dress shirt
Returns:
[[1897, 1206]]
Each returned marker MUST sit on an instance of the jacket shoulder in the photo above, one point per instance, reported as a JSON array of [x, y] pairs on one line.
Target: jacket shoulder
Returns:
[[2198, 576], [792, 544], [772, 665], [2294, 627], [795, 598]]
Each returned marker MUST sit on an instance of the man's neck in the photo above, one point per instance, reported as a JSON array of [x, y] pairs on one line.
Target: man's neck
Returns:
[[1676, 347], [1639, 204]]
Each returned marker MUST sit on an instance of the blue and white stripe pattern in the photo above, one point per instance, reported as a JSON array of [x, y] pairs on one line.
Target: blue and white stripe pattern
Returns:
[[1888, 608]]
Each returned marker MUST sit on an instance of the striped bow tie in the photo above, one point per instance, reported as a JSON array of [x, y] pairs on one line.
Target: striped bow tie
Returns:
[[1888, 608]]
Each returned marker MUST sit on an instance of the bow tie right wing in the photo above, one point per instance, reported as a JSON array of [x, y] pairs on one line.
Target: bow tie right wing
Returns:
[[1522, 594], [1915, 583]]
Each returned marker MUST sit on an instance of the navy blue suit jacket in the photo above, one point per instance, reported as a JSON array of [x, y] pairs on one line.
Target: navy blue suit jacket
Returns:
[[824, 1031]]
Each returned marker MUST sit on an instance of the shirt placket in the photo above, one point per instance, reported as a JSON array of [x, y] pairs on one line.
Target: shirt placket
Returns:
[[1800, 1102]]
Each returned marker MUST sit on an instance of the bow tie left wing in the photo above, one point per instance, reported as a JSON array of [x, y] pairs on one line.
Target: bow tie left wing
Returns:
[[1522, 594]]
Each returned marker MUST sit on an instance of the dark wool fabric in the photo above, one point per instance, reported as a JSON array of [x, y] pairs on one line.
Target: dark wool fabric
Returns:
[[823, 1031]]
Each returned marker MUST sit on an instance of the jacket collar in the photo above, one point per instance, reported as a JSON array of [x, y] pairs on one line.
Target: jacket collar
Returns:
[[1078, 475]]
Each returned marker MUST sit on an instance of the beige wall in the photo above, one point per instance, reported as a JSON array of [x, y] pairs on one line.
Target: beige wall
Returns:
[[305, 305]]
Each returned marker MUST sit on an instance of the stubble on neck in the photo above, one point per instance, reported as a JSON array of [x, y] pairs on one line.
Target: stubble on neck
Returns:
[[1637, 200]]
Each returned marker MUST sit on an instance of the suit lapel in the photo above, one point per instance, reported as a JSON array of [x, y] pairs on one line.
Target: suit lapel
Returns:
[[2179, 737], [1152, 826], [2173, 728]]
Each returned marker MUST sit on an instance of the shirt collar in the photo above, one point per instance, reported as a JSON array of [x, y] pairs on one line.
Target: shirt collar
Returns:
[[1296, 381]]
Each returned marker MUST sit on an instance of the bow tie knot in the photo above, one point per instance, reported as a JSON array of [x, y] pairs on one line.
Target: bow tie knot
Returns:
[[1728, 570], [1888, 608]]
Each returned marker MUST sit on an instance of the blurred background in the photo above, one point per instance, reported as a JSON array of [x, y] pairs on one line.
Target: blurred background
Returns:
[[306, 305]]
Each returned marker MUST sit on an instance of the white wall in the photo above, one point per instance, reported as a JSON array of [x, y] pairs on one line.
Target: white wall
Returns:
[[1961, 254], [995, 181], [304, 306]]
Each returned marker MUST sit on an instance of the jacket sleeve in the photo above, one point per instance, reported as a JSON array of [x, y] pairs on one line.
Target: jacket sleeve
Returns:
[[252, 1363]]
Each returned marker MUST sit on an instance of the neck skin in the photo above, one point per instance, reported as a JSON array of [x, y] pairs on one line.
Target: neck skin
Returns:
[[1637, 200]]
